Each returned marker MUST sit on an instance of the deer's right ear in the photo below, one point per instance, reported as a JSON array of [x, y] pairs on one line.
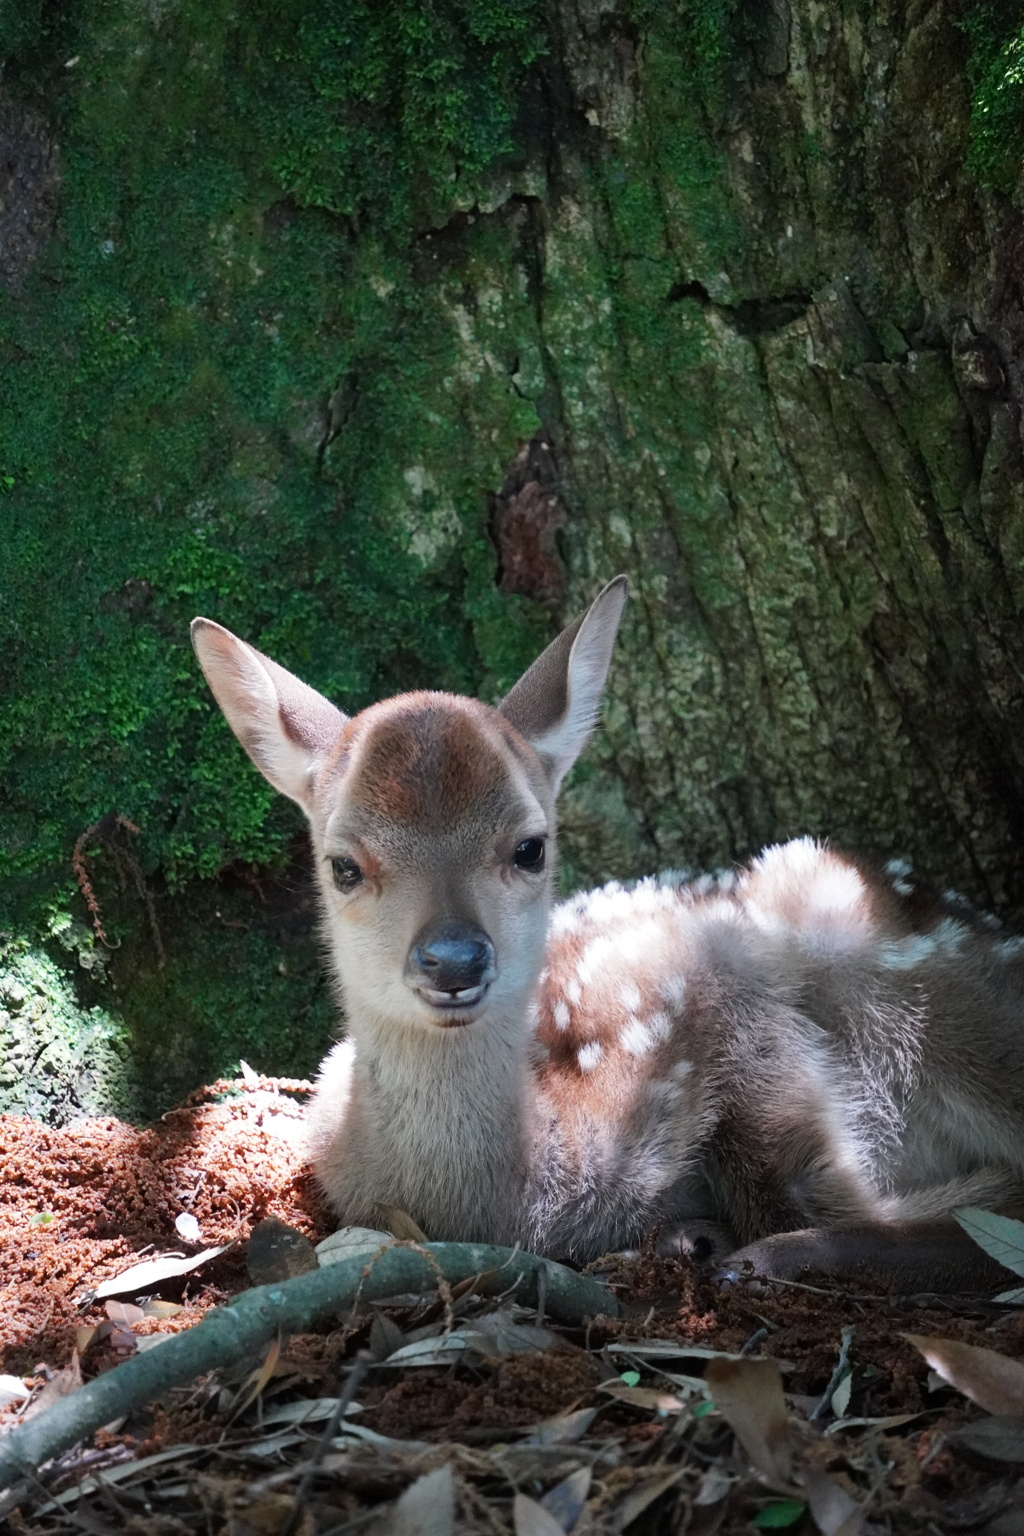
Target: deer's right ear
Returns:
[[287, 728], [556, 701]]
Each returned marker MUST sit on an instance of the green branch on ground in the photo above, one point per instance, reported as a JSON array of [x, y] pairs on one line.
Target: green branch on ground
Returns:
[[234, 1332]]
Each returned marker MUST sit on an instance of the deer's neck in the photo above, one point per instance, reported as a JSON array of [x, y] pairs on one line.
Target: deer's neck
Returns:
[[443, 1117]]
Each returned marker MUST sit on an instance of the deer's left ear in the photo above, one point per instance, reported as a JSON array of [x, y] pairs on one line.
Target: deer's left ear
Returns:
[[287, 728], [556, 701]]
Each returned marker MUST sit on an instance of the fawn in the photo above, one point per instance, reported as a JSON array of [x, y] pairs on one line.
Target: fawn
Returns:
[[808, 1057]]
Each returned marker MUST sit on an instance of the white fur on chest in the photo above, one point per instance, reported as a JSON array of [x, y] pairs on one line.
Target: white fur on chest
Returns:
[[431, 1123]]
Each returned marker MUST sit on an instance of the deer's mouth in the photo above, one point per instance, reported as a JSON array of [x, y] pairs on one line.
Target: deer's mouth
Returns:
[[457, 1006]]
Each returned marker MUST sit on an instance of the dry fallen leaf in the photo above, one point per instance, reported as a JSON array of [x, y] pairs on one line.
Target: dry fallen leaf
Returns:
[[642, 1397], [275, 1252], [1001, 1236], [150, 1341], [715, 1486], [352, 1243], [385, 1336], [12, 1390], [748, 1394], [427, 1507], [651, 1349], [834, 1512], [993, 1381], [643, 1494], [308, 1410], [512, 1338], [84, 1336], [1000, 1439], [564, 1428], [567, 1498], [255, 1382], [401, 1225], [442, 1351], [59, 1385], [124, 1314], [532, 1519], [154, 1307], [153, 1271]]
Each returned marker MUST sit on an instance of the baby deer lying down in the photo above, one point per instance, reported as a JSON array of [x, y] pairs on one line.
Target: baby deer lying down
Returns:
[[807, 1057]]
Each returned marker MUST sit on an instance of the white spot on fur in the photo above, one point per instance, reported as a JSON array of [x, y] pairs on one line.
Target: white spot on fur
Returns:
[[1008, 949], [636, 1038], [898, 868], [904, 954], [837, 888], [561, 1015], [629, 996], [562, 922], [645, 942], [596, 955], [610, 904], [589, 1055], [566, 918], [682, 1069], [660, 1026], [573, 991], [674, 990], [902, 887]]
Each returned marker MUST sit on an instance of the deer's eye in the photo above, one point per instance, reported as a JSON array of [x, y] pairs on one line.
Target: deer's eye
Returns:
[[347, 874], [530, 854]]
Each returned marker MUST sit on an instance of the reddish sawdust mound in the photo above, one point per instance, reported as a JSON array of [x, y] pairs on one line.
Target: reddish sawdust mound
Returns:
[[79, 1205]]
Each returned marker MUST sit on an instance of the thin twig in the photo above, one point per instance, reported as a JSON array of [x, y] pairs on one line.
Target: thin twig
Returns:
[[359, 1368], [846, 1338], [755, 1338]]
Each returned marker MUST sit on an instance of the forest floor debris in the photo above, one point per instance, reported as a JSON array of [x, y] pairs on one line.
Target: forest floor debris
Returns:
[[702, 1409]]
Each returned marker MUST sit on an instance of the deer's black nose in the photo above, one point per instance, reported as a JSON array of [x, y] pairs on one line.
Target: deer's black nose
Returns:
[[452, 956]]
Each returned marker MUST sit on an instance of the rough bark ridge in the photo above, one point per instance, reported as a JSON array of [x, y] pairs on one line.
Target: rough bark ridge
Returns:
[[788, 394]]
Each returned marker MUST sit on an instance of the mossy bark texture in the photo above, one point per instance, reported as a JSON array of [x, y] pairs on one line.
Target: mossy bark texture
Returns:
[[385, 333]]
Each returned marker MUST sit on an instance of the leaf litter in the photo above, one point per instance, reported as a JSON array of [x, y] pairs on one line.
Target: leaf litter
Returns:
[[702, 1409]]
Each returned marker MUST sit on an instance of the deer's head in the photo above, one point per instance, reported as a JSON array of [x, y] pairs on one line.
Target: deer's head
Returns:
[[432, 815]]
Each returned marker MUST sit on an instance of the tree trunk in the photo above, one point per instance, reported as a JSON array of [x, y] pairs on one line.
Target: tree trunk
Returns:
[[781, 332], [386, 333]]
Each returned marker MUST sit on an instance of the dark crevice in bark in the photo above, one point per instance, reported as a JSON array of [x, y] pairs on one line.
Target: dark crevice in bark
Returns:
[[750, 317]]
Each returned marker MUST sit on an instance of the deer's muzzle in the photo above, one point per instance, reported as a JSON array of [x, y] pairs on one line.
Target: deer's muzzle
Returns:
[[451, 964]]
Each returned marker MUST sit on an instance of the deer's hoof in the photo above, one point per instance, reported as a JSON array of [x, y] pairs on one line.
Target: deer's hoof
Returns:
[[705, 1242]]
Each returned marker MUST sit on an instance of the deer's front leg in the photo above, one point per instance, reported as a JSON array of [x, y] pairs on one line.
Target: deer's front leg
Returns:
[[927, 1256]]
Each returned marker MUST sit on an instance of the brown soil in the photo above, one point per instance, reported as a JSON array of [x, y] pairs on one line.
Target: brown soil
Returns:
[[78, 1204]]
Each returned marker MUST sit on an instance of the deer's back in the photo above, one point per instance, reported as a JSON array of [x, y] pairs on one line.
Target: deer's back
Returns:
[[702, 1043]]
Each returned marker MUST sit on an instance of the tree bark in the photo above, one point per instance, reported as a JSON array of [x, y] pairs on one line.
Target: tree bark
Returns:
[[302, 331], [787, 401]]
